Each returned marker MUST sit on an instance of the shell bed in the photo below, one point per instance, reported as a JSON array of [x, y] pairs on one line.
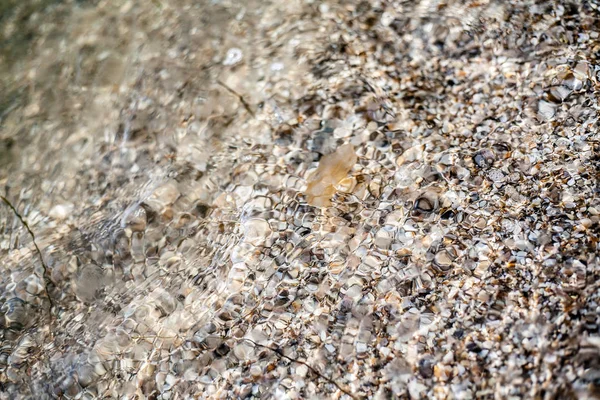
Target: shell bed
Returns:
[[299, 199]]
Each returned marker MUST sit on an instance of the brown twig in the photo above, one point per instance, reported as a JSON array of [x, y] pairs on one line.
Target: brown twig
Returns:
[[315, 371], [39, 252], [239, 96]]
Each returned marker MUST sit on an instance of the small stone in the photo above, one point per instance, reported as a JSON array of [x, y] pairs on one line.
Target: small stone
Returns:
[[32, 110], [163, 196], [256, 371], [546, 109], [426, 367], [301, 370], [90, 280], [15, 313], [496, 175], [416, 389], [136, 219], [256, 231]]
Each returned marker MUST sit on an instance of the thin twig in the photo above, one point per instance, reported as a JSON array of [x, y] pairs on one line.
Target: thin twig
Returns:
[[239, 96], [316, 372], [39, 252]]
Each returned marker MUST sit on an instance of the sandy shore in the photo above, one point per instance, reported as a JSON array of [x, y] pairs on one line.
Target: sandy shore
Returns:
[[299, 200]]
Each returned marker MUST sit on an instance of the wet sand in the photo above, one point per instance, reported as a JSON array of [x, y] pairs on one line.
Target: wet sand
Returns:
[[289, 200]]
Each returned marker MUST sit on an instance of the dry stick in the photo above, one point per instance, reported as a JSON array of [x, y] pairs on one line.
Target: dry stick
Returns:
[[239, 96], [44, 266], [320, 375]]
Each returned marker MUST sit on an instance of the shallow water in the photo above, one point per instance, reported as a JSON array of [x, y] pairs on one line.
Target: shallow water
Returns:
[[167, 157]]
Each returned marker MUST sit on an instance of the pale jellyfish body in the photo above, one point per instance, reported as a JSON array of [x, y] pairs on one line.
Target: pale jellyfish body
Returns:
[[331, 170]]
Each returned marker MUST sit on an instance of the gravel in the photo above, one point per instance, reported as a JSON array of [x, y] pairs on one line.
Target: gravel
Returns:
[[338, 199]]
